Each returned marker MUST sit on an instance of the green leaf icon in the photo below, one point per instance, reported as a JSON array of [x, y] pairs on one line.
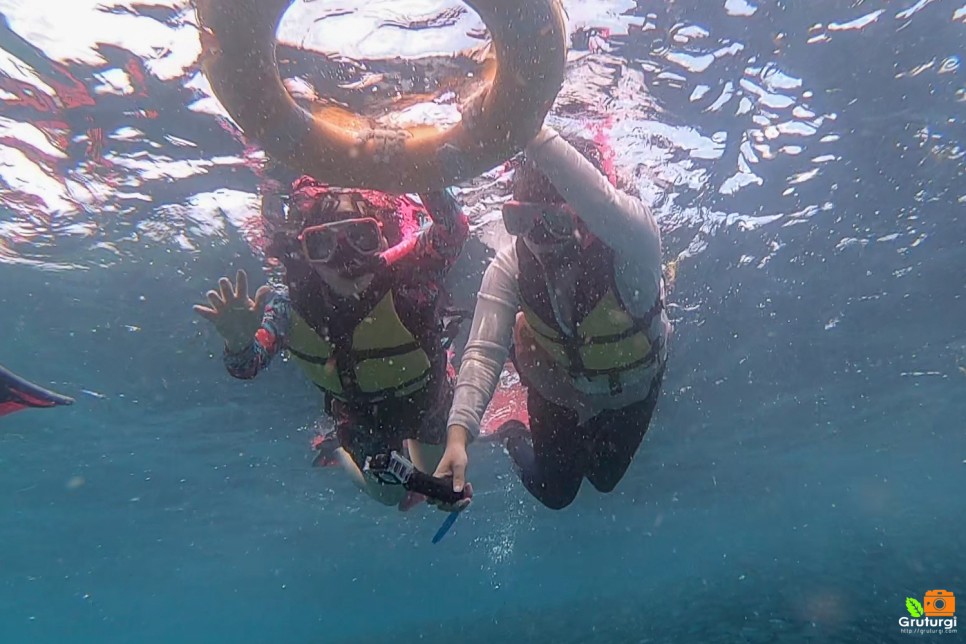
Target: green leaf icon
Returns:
[[914, 607]]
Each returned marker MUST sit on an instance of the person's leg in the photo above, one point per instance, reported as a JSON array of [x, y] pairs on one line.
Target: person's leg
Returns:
[[616, 437], [425, 456], [384, 494], [350, 467], [548, 466], [359, 438]]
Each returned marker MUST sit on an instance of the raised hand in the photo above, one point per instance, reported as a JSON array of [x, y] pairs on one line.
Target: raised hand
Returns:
[[235, 315]]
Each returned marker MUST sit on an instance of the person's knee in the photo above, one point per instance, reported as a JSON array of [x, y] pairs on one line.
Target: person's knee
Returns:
[[608, 470], [557, 499], [552, 480], [606, 480], [555, 493], [612, 454]]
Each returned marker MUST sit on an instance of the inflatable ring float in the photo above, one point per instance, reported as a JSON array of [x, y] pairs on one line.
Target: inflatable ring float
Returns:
[[238, 57]]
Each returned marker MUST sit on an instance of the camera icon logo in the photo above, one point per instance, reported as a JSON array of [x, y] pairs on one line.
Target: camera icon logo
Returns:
[[939, 603]]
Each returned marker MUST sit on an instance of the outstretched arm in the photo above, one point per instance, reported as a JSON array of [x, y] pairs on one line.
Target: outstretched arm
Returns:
[[488, 345], [269, 340], [450, 227], [436, 249], [483, 359]]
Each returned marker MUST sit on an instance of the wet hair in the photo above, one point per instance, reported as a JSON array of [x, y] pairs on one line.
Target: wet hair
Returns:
[[400, 216], [310, 201], [530, 184]]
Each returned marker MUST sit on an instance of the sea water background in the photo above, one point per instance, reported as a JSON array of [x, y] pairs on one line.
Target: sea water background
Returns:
[[805, 469]]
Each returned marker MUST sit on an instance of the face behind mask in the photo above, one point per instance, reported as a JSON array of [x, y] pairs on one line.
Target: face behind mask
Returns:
[[351, 265], [556, 255], [348, 239], [351, 246]]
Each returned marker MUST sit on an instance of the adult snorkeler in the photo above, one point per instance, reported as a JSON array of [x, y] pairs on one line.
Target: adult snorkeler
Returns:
[[361, 312], [580, 293]]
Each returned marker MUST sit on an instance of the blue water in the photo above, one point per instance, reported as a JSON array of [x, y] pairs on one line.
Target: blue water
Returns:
[[805, 470]]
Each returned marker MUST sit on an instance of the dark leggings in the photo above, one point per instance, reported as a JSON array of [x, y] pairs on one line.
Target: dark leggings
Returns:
[[564, 452]]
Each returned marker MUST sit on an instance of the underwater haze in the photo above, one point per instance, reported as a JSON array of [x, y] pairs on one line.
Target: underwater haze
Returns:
[[805, 470]]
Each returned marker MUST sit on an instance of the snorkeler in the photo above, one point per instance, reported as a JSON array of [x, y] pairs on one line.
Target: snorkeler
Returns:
[[16, 394], [580, 293], [362, 314]]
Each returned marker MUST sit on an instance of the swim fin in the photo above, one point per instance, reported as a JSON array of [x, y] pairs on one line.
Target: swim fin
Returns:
[[17, 393]]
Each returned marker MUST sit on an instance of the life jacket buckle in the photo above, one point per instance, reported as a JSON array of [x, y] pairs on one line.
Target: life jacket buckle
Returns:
[[615, 384]]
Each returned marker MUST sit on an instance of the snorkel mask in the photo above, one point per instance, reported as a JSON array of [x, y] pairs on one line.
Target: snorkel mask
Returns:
[[550, 231], [524, 217], [350, 242]]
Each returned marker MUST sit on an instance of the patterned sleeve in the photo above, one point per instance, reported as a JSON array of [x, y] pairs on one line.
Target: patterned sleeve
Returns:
[[432, 253], [445, 238], [269, 340]]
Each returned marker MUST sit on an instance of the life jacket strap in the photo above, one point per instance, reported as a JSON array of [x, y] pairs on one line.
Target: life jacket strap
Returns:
[[368, 399]]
